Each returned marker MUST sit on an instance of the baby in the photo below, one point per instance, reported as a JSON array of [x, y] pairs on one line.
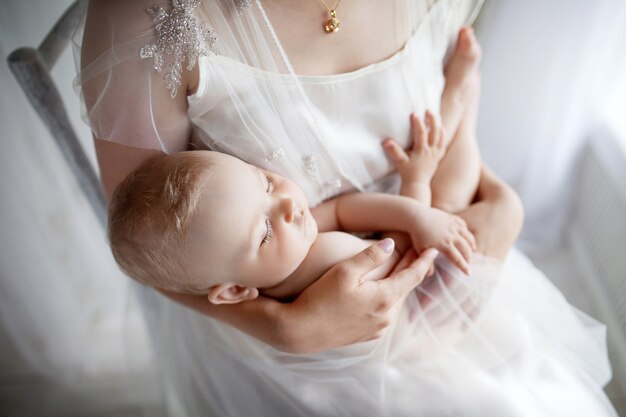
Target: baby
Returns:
[[201, 222]]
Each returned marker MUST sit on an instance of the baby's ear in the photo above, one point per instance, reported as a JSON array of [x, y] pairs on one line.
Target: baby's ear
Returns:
[[231, 294]]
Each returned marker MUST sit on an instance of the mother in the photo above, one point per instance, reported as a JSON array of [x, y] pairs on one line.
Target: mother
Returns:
[[265, 82]]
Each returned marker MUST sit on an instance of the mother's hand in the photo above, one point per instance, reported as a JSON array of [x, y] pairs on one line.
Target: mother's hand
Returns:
[[342, 308], [339, 309]]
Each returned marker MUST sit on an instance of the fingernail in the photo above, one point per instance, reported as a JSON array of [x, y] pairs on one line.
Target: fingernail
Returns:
[[433, 253], [386, 245]]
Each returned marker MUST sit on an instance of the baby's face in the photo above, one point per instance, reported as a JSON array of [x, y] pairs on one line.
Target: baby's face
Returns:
[[252, 227]]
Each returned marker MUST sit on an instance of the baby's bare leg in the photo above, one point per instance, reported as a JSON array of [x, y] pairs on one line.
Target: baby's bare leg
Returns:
[[456, 180]]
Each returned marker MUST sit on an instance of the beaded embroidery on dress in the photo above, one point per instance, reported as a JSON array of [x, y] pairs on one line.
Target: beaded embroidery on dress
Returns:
[[242, 5], [180, 33]]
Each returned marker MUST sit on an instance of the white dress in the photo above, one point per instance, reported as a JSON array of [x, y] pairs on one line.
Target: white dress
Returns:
[[503, 342], [487, 346]]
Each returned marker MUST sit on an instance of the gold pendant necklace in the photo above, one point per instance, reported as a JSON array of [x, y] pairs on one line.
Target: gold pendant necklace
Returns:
[[332, 25]]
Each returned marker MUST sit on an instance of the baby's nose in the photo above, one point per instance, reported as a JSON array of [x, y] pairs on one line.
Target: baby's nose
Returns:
[[289, 209]]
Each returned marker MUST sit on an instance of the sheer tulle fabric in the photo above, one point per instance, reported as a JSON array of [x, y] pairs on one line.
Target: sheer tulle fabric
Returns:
[[251, 104], [501, 342]]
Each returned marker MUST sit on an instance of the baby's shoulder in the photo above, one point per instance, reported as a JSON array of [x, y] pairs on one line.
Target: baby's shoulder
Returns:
[[333, 247], [335, 236]]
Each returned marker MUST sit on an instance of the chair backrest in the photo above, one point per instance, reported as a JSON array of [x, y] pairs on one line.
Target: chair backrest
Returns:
[[31, 67]]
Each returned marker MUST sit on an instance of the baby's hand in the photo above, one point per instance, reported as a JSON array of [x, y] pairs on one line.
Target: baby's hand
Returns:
[[418, 165], [434, 228]]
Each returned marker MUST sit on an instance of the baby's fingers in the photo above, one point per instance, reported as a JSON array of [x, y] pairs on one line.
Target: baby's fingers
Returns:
[[435, 133], [469, 236], [457, 258], [395, 152], [463, 246], [419, 133]]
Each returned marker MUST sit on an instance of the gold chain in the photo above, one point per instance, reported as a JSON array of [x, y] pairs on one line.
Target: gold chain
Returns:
[[332, 25], [329, 9]]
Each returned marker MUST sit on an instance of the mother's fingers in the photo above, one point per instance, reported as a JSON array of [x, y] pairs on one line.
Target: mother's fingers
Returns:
[[409, 257], [403, 281], [365, 261]]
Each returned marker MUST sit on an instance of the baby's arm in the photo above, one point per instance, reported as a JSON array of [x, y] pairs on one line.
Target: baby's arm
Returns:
[[417, 166], [428, 227]]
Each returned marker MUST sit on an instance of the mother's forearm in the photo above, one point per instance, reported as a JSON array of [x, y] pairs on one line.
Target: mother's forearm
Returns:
[[263, 318], [117, 161], [496, 216]]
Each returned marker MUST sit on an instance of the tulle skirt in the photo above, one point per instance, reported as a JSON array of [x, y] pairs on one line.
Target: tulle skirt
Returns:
[[502, 342]]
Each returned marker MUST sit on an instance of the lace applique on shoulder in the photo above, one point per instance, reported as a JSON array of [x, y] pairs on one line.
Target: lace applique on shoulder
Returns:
[[242, 5], [180, 33]]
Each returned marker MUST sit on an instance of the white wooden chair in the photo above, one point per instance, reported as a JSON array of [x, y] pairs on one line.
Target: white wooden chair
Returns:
[[31, 67]]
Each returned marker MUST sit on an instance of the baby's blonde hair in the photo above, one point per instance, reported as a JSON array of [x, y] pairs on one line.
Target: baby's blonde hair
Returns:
[[149, 214]]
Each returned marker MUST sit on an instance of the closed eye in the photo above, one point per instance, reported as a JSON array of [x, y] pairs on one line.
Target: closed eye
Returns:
[[268, 232], [270, 183]]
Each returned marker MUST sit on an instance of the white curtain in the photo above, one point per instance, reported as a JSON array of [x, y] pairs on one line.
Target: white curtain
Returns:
[[552, 71]]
